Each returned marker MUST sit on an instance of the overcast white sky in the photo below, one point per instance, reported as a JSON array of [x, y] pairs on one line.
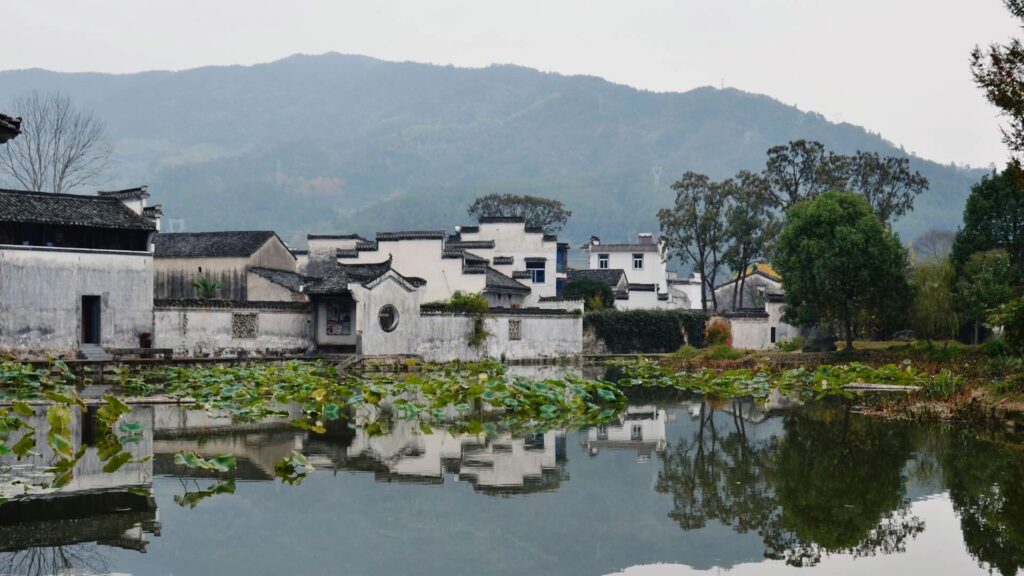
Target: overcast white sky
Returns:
[[897, 67]]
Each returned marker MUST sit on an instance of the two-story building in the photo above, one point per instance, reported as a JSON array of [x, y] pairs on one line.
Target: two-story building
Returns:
[[76, 271], [648, 282]]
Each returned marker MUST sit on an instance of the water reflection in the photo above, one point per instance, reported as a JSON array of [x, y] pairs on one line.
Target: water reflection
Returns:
[[692, 482]]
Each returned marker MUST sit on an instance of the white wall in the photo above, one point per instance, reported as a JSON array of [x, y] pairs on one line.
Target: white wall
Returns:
[[422, 259], [261, 289], [195, 331], [783, 331], [41, 293], [444, 337], [751, 333], [374, 341], [512, 239]]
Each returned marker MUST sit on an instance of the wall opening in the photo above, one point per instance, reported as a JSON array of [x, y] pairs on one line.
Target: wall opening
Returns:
[[388, 318], [91, 319]]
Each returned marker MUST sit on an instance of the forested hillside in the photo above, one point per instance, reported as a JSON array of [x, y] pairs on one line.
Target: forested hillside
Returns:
[[350, 143]]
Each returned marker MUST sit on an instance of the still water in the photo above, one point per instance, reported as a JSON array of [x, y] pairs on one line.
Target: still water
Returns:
[[673, 486]]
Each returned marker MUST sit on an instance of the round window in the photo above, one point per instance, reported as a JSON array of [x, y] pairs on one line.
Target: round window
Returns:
[[388, 317]]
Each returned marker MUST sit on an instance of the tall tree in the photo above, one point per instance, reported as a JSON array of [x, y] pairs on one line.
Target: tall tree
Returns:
[[999, 72], [795, 172], [60, 148], [694, 228], [994, 218], [838, 261], [985, 283], [545, 213], [750, 225], [887, 183], [933, 309], [934, 245]]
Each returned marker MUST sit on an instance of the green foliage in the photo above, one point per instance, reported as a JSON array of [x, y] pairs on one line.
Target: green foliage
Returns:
[[996, 348], [999, 72], [985, 283], [469, 303], [794, 344], [717, 333], [544, 213], [219, 463], [1010, 317], [206, 289], [723, 352], [838, 262], [293, 469], [992, 219], [22, 381], [596, 295], [933, 308], [646, 331]]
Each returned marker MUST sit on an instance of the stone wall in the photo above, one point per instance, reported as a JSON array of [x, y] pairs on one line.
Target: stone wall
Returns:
[[41, 293], [211, 328]]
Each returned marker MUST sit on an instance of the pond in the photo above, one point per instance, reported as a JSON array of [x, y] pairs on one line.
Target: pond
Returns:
[[671, 485]]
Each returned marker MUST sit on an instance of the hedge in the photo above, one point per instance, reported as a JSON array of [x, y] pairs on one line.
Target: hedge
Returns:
[[646, 331]]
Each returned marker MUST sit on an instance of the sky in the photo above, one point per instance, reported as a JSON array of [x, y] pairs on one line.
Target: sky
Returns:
[[896, 67]]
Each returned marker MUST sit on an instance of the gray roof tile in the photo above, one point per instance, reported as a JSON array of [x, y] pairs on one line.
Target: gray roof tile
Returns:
[[69, 210], [235, 244]]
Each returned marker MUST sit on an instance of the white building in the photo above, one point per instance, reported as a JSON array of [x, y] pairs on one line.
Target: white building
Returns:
[[649, 285], [76, 272]]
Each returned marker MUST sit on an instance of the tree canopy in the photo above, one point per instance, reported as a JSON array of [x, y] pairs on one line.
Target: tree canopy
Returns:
[[838, 262], [999, 72], [549, 215], [596, 295], [994, 218]]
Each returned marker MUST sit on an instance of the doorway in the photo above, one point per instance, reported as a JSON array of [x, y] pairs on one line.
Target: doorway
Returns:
[[90, 319]]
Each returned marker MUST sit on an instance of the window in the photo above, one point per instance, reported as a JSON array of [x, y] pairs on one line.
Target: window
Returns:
[[388, 318], [536, 270], [515, 329], [637, 433], [773, 334], [638, 261], [244, 325], [602, 261]]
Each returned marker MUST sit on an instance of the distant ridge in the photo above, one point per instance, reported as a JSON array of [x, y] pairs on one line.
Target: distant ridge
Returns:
[[352, 144]]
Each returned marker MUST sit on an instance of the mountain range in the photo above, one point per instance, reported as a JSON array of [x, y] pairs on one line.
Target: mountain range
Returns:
[[343, 143]]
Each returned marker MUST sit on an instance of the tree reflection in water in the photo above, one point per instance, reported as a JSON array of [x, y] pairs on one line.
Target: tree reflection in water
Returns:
[[832, 484], [86, 558], [986, 484]]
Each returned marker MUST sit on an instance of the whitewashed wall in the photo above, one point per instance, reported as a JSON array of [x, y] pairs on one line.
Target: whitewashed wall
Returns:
[[41, 293], [751, 333], [207, 331], [512, 239], [444, 337]]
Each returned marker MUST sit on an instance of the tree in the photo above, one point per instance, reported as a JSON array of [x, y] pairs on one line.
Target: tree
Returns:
[[999, 72], [803, 169], [934, 245], [933, 313], [60, 147], [994, 218], [984, 284], [886, 183], [695, 228], [838, 261], [549, 215], [750, 225], [595, 294]]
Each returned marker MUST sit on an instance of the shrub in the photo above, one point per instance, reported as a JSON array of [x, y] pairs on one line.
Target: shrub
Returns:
[[472, 303], [723, 352], [794, 344], [995, 348], [686, 352], [1011, 317], [646, 331], [595, 294], [718, 332]]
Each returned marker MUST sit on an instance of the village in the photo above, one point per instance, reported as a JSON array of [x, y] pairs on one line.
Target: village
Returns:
[[92, 277]]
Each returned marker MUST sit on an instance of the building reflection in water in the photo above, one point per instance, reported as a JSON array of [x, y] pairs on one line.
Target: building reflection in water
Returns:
[[639, 428]]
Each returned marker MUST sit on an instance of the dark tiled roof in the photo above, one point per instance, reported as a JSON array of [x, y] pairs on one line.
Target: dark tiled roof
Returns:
[[346, 253], [522, 274], [236, 244], [472, 259], [535, 259], [126, 194], [69, 210], [411, 235], [217, 303], [551, 238], [663, 296], [534, 229], [501, 220], [9, 127], [300, 252], [334, 237], [610, 276], [337, 279], [642, 287], [366, 246], [498, 282], [451, 253], [470, 244], [774, 297], [747, 313], [502, 260], [621, 247], [289, 280], [469, 229]]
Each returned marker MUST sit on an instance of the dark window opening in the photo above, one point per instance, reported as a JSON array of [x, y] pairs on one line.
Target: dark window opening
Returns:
[[91, 319]]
